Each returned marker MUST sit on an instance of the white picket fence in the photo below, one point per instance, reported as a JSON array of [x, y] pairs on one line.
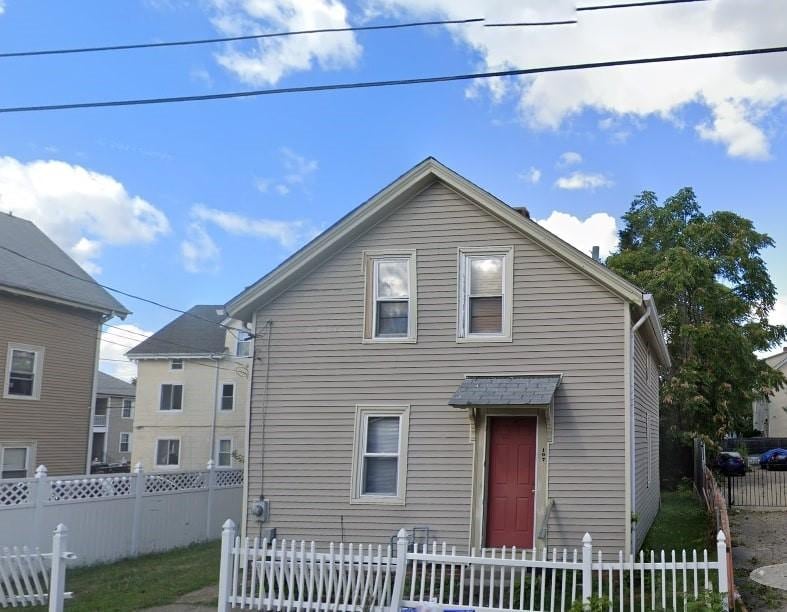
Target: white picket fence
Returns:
[[114, 516], [29, 577], [281, 575]]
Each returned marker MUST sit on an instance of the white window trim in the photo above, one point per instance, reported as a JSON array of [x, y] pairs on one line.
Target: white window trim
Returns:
[[249, 342], [182, 365], [232, 451], [30, 458], [462, 320], [221, 396], [38, 368], [182, 397], [131, 412], [128, 441], [362, 413], [370, 297], [155, 453]]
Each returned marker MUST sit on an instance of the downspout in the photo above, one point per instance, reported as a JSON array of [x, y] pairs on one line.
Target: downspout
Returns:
[[648, 300]]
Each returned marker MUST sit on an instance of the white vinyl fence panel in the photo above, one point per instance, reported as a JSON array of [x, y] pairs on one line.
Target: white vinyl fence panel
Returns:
[[281, 575], [120, 515]]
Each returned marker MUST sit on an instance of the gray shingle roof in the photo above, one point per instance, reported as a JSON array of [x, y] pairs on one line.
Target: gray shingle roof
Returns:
[[197, 334], [16, 272], [109, 385], [534, 390]]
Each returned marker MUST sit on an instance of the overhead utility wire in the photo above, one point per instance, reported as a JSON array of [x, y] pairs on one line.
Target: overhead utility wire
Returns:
[[121, 292], [603, 7], [391, 83], [529, 23], [206, 41]]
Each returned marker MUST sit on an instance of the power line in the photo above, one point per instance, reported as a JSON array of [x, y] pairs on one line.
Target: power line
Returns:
[[529, 23], [121, 292], [602, 7], [391, 83], [206, 41]]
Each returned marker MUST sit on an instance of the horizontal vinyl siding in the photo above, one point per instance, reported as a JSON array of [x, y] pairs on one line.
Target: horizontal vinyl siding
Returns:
[[59, 421], [646, 401], [320, 370]]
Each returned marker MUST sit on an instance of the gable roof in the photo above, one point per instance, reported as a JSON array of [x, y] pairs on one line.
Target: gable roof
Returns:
[[109, 385], [25, 277], [415, 180], [196, 333], [778, 360]]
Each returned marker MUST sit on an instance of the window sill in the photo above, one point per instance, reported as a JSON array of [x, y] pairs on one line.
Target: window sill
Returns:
[[389, 340], [481, 339], [375, 500], [27, 398]]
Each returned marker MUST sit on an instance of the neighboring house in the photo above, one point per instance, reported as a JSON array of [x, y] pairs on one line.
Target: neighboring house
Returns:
[[438, 361], [192, 392], [770, 414], [51, 313], [113, 420]]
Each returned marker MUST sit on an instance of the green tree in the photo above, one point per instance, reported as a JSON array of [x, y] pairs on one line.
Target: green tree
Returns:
[[714, 294]]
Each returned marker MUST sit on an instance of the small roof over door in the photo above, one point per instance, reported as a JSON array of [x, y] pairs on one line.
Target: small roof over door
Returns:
[[532, 390]]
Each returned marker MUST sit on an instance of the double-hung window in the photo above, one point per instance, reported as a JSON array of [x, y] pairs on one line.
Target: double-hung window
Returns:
[[380, 462], [485, 300], [14, 461], [176, 364], [243, 345], [227, 396], [125, 442], [224, 452], [23, 371], [171, 398], [390, 300], [128, 407], [167, 452]]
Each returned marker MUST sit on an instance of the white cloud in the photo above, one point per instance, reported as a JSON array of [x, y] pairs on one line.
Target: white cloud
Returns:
[[533, 175], [583, 180], [599, 229], [2, 7], [737, 92], [570, 158], [199, 252], [778, 315], [270, 59], [114, 345], [296, 168], [81, 210]]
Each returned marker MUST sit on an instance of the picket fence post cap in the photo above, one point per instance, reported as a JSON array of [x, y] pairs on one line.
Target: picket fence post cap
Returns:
[[228, 525], [138, 467], [211, 464], [60, 529], [721, 537], [41, 471], [586, 539]]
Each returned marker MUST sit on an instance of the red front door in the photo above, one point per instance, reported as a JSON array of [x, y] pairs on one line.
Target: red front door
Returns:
[[511, 482]]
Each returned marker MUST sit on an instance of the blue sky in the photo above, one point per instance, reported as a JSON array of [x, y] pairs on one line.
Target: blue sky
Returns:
[[189, 203]]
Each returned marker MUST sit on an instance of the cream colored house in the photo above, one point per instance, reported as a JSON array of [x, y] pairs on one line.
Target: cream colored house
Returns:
[[770, 415], [192, 393], [437, 361]]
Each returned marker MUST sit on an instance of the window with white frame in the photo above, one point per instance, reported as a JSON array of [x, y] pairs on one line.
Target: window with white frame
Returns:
[[125, 442], [485, 300], [24, 364], [128, 409], [168, 452], [176, 364], [224, 452], [243, 345], [171, 398], [227, 396], [380, 461], [390, 300], [14, 461]]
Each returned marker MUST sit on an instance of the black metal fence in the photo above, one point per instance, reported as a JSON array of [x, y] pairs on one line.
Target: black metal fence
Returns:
[[758, 487]]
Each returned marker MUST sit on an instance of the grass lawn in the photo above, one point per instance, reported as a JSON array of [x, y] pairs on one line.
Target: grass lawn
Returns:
[[152, 580], [682, 523]]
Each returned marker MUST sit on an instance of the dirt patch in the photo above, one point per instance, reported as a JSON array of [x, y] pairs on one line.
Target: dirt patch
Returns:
[[759, 538]]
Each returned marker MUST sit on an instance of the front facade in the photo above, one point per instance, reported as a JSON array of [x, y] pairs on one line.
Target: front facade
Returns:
[[113, 421], [770, 414], [49, 328], [439, 362], [192, 393]]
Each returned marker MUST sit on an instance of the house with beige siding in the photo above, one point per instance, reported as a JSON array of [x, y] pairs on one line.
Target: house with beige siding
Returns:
[[192, 392], [113, 419], [51, 312], [438, 361], [770, 413]]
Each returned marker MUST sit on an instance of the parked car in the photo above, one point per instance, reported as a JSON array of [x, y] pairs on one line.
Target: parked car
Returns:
[[731, 463], [777, 461], [765, 457]]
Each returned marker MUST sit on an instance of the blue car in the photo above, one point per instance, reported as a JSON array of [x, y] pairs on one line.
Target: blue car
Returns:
[[767, 455]]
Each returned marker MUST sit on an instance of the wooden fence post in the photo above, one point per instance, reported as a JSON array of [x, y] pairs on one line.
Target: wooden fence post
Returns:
[[136, 518], [227, 562], [400, 570], [587, 568], [721, 555], [57, 579], [211, 468]]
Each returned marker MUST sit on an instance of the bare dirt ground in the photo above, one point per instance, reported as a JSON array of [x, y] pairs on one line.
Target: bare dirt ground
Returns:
[[759, 538]]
